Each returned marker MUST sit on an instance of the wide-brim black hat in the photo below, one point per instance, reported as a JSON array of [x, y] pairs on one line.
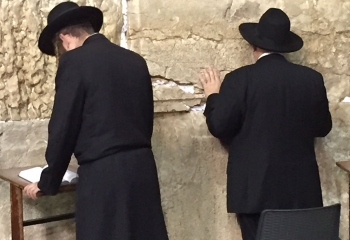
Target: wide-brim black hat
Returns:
[[66, 14], [272, 33]]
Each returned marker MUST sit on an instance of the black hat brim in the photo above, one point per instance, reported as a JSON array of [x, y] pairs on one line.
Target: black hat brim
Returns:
[[79, 15], [249, 32]]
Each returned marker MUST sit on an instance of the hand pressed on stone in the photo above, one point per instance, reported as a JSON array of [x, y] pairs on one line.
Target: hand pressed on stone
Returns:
[[31, 190], [210, 79]]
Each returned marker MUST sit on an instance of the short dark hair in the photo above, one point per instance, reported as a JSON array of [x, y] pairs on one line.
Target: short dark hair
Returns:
[[76, 30]]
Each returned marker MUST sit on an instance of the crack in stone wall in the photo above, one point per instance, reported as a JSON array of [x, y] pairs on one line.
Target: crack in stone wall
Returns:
[[123, 37]]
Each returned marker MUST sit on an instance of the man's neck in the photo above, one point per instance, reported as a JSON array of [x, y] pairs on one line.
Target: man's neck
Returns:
[[83, 39]]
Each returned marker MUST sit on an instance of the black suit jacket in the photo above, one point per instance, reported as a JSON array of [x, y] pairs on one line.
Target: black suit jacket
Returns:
[[103, 105], [269, 113]]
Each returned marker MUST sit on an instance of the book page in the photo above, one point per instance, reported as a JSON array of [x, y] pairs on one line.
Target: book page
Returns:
[[31, 175], [69, 176]]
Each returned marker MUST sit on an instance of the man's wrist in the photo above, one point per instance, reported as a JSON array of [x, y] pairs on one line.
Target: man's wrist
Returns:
[[209, 94]]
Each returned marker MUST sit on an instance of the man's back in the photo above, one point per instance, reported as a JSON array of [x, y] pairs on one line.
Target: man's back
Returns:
[[270, 113], [118, 107], [285, 106]]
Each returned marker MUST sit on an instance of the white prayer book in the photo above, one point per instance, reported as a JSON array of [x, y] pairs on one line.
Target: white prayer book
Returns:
[[33, 175]]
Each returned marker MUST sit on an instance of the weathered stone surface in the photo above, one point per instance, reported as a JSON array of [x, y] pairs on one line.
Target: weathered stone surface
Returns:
[[171, 98], [177, 41], [337, 143], [26, 76], [191, 174], [191, 167], [158, 19], [23, 143], [338, 86], [177, 38], [334, 148], [168, 58]]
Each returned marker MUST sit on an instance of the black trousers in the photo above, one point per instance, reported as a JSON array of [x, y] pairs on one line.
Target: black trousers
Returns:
[[248, 224]]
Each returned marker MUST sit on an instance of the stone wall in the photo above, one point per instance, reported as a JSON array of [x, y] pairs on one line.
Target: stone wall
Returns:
[[26, 76], [179, 37], [176, 38]]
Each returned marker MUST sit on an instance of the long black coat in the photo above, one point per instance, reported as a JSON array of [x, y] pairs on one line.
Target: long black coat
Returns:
[[103, 105], [103, 113], [269, 114]]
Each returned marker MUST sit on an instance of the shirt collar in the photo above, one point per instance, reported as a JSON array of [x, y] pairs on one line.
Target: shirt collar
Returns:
[[266, 54], [94, 34]]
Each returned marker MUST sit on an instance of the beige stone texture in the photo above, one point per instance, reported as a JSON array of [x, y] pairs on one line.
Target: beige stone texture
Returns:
[[23, 143], [191, 167], [177, 38], [192, 181], [171, 98], [27, 76], [334, 148]]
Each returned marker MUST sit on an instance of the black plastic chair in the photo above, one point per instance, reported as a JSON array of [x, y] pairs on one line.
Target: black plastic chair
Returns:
[[300, 224]]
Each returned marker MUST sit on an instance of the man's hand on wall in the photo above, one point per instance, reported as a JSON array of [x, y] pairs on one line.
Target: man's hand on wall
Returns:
[[210, 79]]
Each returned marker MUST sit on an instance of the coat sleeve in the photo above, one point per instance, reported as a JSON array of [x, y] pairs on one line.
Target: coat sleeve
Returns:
[[322, 119], [224, 110], [64, 125]]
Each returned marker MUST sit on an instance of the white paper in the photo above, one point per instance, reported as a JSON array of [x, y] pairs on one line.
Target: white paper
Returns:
[[33, 175], [69, 176], [346, 99]]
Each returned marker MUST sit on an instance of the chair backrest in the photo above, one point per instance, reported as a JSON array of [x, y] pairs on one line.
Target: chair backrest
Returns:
[[300, 224]]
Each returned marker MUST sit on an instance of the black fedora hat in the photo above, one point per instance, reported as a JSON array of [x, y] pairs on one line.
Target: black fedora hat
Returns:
[[272, 33], [66, 14]]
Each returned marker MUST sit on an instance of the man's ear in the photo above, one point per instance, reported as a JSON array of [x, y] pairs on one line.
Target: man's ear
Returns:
[[62, 36]]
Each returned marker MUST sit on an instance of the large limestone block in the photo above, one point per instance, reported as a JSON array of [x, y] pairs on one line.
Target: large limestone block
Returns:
[[326, 53], [210, 19], [177, 38], [335, 184], [337, 142], [22, 143], [180, 60], [192, 174], [27, 76], [334, 148]]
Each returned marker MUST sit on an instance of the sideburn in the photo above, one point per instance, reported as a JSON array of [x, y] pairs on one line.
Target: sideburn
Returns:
[[59, 49]]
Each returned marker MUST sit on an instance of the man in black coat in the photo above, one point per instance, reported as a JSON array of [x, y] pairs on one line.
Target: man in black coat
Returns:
[[103, 113], [269, 114]]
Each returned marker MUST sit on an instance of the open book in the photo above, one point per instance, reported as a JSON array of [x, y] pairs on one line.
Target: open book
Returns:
[[33, 175]]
